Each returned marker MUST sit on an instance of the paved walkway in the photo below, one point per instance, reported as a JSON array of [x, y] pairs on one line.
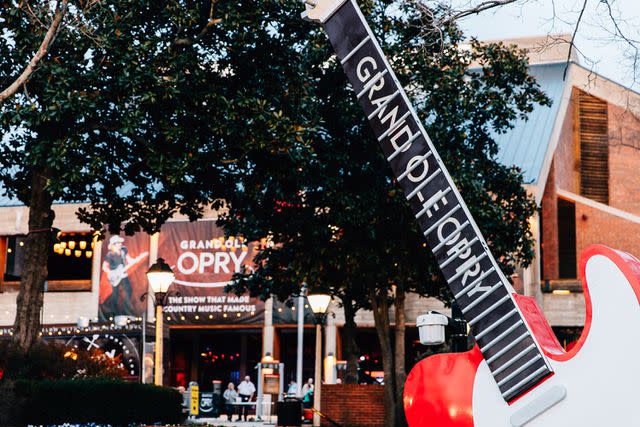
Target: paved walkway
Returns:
[[222, 422]]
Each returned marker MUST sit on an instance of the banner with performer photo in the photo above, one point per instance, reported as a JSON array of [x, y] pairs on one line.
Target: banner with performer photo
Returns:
[[123, 266], [204, 261]]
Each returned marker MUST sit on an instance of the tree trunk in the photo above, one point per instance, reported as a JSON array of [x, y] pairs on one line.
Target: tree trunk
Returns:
[[400, 369], [380, 307], [34, 271], [349, 336]]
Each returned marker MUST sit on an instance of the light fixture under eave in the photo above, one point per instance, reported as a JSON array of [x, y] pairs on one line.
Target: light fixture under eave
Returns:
[[72, 244], [319, 303], [82, 244], [77, 253], [67, 252], [89, 254]]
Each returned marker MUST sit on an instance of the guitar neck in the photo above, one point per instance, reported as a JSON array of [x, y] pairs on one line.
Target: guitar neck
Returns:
[[480, 288]]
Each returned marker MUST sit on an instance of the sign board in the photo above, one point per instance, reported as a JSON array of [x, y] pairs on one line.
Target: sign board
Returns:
[[206, 404], [194, 405], [204, 262], [123, 264]]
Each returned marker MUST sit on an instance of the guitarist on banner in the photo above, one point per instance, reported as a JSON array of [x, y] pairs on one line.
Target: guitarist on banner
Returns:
[[116, 265]]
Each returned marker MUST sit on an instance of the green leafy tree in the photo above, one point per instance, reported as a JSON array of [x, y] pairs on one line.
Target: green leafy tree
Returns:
[[137, 108], [339, 222]]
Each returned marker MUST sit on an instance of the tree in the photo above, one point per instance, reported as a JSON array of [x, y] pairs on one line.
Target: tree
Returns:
[[339, 222], [137, 108]]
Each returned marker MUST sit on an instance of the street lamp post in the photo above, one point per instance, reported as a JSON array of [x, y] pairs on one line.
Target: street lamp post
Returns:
[[160, 278], [319, 304]]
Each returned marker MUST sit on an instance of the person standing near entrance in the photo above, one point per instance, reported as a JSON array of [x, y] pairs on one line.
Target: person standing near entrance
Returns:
[[230, 395], [307, 393], [246, 390]]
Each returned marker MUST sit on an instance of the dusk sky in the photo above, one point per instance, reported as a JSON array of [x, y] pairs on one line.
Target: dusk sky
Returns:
[[536, 17]]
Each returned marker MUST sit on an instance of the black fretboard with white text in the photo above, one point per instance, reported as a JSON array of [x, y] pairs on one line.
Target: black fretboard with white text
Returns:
[[482, 292]]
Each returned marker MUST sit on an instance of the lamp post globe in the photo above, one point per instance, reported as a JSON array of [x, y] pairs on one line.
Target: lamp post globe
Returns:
[[160, 277], [319, 304]]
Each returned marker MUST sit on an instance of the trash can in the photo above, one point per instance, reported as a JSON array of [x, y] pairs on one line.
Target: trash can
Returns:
[[289, 413]]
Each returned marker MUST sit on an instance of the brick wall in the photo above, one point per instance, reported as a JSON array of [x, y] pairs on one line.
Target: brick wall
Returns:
[[566, 159], [550, 266], [624, 160], [593, 225], [596, 226], [353, 405]]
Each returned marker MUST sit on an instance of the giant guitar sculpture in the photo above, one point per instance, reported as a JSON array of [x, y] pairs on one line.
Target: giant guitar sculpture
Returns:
[[517, 374]]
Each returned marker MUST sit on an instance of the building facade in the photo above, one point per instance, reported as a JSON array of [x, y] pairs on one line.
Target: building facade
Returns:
[[579, 158]]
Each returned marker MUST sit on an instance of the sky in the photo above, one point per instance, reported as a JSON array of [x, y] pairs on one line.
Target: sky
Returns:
[[599, 47]]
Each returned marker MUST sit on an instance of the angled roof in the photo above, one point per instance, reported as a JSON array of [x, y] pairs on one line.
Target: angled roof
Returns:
[[526, 145]]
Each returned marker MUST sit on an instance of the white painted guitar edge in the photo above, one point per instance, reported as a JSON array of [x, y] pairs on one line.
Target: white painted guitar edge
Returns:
[[541, 404]]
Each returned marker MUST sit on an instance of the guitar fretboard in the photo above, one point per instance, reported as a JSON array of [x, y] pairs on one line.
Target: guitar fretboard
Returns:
[[472, 273]]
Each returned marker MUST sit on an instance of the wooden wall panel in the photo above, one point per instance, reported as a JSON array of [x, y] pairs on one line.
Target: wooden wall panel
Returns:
[[593, 124]]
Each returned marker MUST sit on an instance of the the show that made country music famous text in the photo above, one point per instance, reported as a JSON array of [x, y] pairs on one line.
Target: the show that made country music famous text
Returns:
[[203, 261]]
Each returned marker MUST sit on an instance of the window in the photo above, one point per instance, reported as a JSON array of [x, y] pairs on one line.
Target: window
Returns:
[[567, 239], [69, 266]]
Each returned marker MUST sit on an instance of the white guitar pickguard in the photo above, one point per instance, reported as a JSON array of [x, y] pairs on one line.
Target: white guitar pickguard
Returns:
[[601, 380]]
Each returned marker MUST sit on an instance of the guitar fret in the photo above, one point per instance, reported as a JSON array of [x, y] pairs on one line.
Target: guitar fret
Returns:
[[488, 310], [441, 220], [501, 336], [430, 205], [414, 165], [355, 50], [453, 234], [403, 146], [482, 298], [475, 282], [423, 183], [507, 348], [384, 104], [457, 253], [395, 126], [496, 324], [524, 381], [372, 82], [513, 360], [519, 370]]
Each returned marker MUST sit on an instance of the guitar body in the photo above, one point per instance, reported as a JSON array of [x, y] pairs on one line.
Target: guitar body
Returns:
[[119, 273], [598, 378], [116, 275]]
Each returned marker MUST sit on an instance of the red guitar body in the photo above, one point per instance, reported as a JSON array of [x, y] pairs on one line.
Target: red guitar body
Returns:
[[450, 390]]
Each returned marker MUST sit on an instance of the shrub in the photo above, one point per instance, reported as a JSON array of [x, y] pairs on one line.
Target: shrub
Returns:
[[100, 401], [54, 360]]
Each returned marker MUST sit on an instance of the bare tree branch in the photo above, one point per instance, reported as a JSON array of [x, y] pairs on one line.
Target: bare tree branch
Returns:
[[481, 7], [190, 41], [61, 10], [573, 39]]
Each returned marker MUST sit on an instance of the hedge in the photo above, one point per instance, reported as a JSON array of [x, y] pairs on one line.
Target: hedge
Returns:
[[99, 401]]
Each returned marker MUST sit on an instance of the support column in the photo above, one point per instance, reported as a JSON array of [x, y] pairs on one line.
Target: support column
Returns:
[[531, 279], [330, 350], [159, 350], [317, 376], [268, 331], [301, 302]]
